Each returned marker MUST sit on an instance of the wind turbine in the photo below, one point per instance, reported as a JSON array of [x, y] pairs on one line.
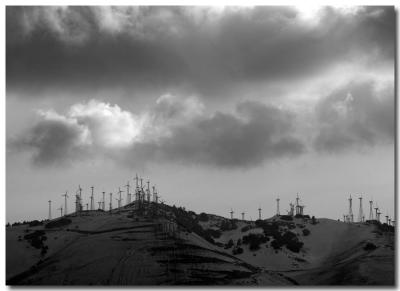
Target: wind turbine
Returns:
[[128, 195], [49, 209], [61, 209], [120, 199], [80, 198], [65, 196], [92, 200], [154, 194], [148, 191], [137, 188]]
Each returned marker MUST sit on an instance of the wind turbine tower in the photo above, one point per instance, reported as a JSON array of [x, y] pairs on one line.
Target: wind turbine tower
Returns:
[[49, 209], [242, 215], [259, 212], [371, 212], [120, 199], [128, 195], [65, 201], [148, 191], [360, 211], [231, 213], [91, 200], [351, 210], [61, 210], [277, 206], [110, 201], [119, 203], [376, 211], [80, 198], [154, 194], [141, 196], [137, 188], [104, 201], [77, 203]]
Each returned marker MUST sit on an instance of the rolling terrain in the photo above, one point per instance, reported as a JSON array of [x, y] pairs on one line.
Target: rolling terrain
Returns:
[[166, 245]]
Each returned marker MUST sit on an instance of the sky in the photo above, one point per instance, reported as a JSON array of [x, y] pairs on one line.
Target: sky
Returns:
[[220, 107]]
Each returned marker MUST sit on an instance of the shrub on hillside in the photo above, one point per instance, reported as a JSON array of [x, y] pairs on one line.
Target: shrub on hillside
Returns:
[[286, 217], [260, 222], [219, 244], [246, 228], [213, 232], [313, 220], [306, 232], [237, 251], [229, 244], [271, 229], [203, 217], [36, 238], [370, 246], [294, 245], [189, 222], [288, 239], [228, 225], [58, 223], [276, 244], [254, 240], [35, 223]]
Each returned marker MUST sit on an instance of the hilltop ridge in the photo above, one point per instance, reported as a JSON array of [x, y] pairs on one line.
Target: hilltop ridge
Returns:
[[168, 245]]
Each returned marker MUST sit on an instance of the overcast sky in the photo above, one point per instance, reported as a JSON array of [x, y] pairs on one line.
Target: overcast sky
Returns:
[[220, 107]]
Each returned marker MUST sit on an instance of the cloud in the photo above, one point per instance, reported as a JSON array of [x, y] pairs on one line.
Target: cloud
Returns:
[[109, 126], [174, 130], [359, 115], [253, 134], [201, 49], [87, 130], [55, 140]]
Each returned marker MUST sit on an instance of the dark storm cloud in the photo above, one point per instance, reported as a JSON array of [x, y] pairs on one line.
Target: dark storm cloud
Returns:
[[356, 116], [246, 138], [131, 47], [52, 142], [254, 134]]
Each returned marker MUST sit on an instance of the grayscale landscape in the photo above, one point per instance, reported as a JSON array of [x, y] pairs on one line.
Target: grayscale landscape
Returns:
[[145, 243], [200, 145]]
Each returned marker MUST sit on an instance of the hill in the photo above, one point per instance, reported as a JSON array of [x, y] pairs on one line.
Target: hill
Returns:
[[166, 245]]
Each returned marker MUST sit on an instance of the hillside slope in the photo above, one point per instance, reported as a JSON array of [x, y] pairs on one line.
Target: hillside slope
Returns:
[[121, 249], [332, 252], [175, 247]]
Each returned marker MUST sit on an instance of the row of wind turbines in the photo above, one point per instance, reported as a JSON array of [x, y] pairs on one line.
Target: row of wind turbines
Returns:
[[142, 194], [349, 217], [295, 209]]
